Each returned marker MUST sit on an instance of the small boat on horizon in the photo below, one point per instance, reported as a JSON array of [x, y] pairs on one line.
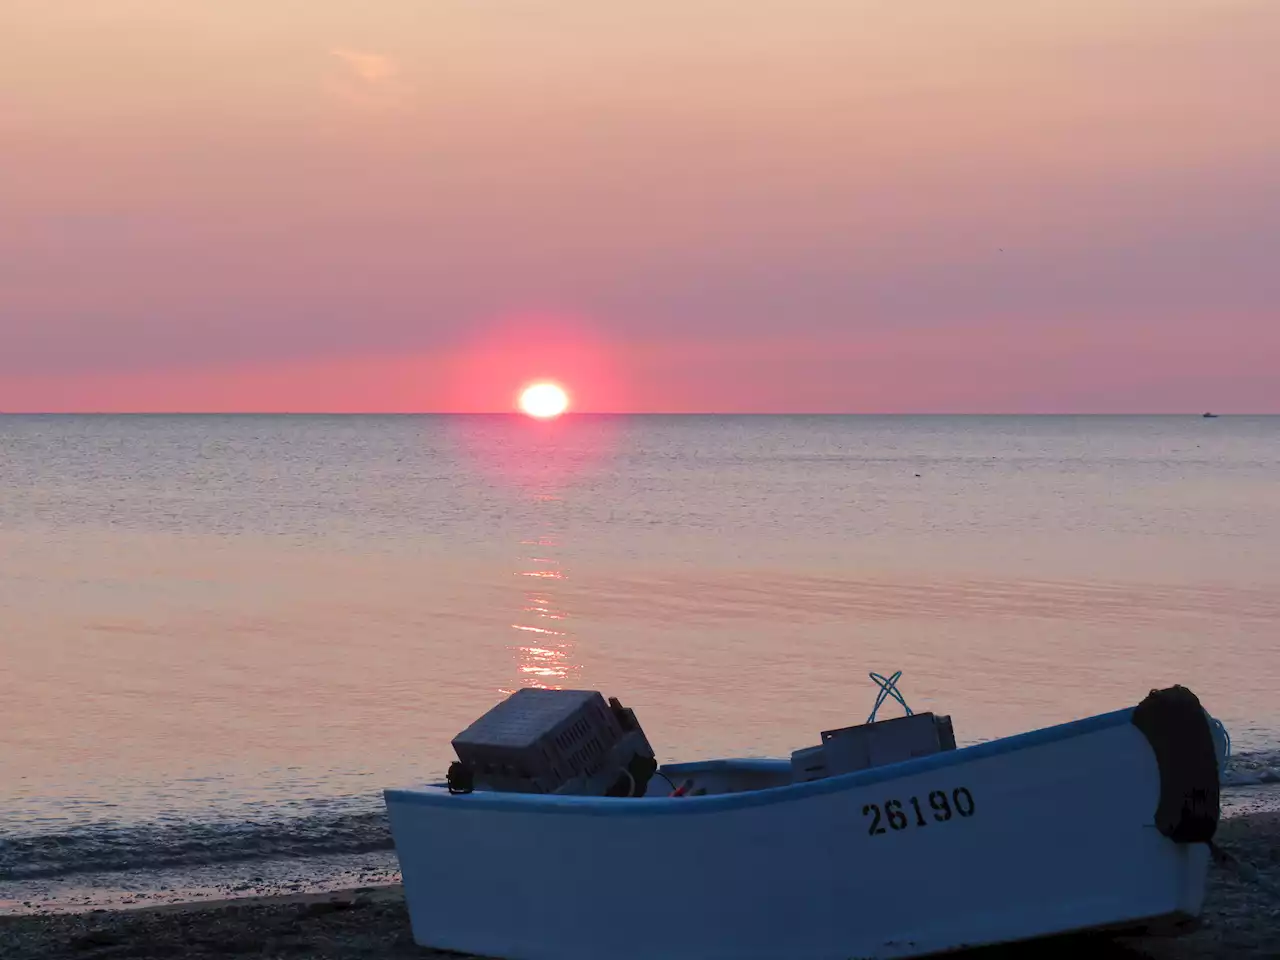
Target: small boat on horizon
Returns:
[[886, 841], [1210, 416]]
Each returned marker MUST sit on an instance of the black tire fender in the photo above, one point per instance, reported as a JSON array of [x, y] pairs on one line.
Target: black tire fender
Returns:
[[1178, 730]]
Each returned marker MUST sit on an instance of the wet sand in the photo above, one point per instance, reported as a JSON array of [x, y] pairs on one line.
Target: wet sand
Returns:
[[1241, 922]]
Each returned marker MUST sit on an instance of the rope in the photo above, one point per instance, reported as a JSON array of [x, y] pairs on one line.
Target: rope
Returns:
[[631, 790], [1226, 737], [888, 688]]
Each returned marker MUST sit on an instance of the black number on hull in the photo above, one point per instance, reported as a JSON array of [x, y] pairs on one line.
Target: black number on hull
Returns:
[[867, 811], [944, 808], [920, 821], [893, 810]]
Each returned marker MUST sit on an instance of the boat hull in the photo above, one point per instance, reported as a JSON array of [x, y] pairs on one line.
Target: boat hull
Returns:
[[1036, 835]]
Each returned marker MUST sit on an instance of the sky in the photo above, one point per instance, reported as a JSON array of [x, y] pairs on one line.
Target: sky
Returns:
[[853, 206]]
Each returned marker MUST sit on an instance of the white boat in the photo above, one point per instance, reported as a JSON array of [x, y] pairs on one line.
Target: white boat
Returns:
[[1100, 823]]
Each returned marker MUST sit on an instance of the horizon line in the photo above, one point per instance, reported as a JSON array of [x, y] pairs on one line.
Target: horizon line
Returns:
[[610, 413]]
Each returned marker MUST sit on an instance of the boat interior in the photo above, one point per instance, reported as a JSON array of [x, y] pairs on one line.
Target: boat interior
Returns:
[[712, 777]]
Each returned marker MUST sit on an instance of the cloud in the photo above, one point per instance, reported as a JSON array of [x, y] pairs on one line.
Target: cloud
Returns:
[[371, 68], [368, 82]]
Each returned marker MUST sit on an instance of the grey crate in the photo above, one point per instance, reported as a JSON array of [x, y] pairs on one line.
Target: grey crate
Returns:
[[809, 763], [873, 745], [880, 743]]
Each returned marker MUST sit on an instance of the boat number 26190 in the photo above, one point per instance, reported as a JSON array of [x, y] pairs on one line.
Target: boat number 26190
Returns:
[[899, 816]]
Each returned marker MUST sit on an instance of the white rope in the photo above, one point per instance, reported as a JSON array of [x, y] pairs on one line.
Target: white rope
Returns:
[[1226, 737]]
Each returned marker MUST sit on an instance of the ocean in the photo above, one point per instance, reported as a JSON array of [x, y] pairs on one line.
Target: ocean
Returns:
[[223, 636]]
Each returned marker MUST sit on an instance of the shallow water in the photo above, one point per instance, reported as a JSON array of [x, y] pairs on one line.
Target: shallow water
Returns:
[[233, 621]]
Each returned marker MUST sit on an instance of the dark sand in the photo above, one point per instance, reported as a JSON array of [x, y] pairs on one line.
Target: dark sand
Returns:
[[1241, 922]]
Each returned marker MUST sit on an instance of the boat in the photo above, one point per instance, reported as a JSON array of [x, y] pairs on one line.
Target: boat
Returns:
[[1209, 416], [1096, 824]]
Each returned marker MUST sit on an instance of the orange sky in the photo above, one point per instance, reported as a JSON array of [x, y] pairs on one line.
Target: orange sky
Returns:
[[821, 205]]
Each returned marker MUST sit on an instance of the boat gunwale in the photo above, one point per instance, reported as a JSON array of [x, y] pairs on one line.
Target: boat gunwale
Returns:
[[487, 800]]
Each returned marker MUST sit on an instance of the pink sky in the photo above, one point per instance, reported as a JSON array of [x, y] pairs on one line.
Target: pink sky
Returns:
[[787, 205]]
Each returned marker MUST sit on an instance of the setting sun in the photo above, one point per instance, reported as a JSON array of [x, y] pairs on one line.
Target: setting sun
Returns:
[[544, 400]]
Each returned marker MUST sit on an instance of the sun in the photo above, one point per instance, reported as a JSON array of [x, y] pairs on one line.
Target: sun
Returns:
[[544, 400]]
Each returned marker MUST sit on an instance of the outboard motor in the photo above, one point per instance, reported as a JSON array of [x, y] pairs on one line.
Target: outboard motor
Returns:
[[554, 741]]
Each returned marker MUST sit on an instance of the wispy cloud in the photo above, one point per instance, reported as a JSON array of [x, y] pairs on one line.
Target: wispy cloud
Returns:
[[368, 81], [371, 68]]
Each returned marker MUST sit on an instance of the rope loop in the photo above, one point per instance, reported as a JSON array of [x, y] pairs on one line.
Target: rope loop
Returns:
[[888, 688]]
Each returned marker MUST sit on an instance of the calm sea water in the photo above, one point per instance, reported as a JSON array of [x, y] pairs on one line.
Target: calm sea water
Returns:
[[244, 620]]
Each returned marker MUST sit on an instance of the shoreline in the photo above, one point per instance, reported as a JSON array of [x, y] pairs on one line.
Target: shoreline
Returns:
[[240, 881], [286, 869], [1241, 921]]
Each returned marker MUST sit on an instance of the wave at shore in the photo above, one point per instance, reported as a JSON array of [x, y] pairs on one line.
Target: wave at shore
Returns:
[[155, 846], [349, 830]]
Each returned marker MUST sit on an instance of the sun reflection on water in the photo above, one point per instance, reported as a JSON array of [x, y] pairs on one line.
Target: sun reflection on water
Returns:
[[530, 467], [544, 643]]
